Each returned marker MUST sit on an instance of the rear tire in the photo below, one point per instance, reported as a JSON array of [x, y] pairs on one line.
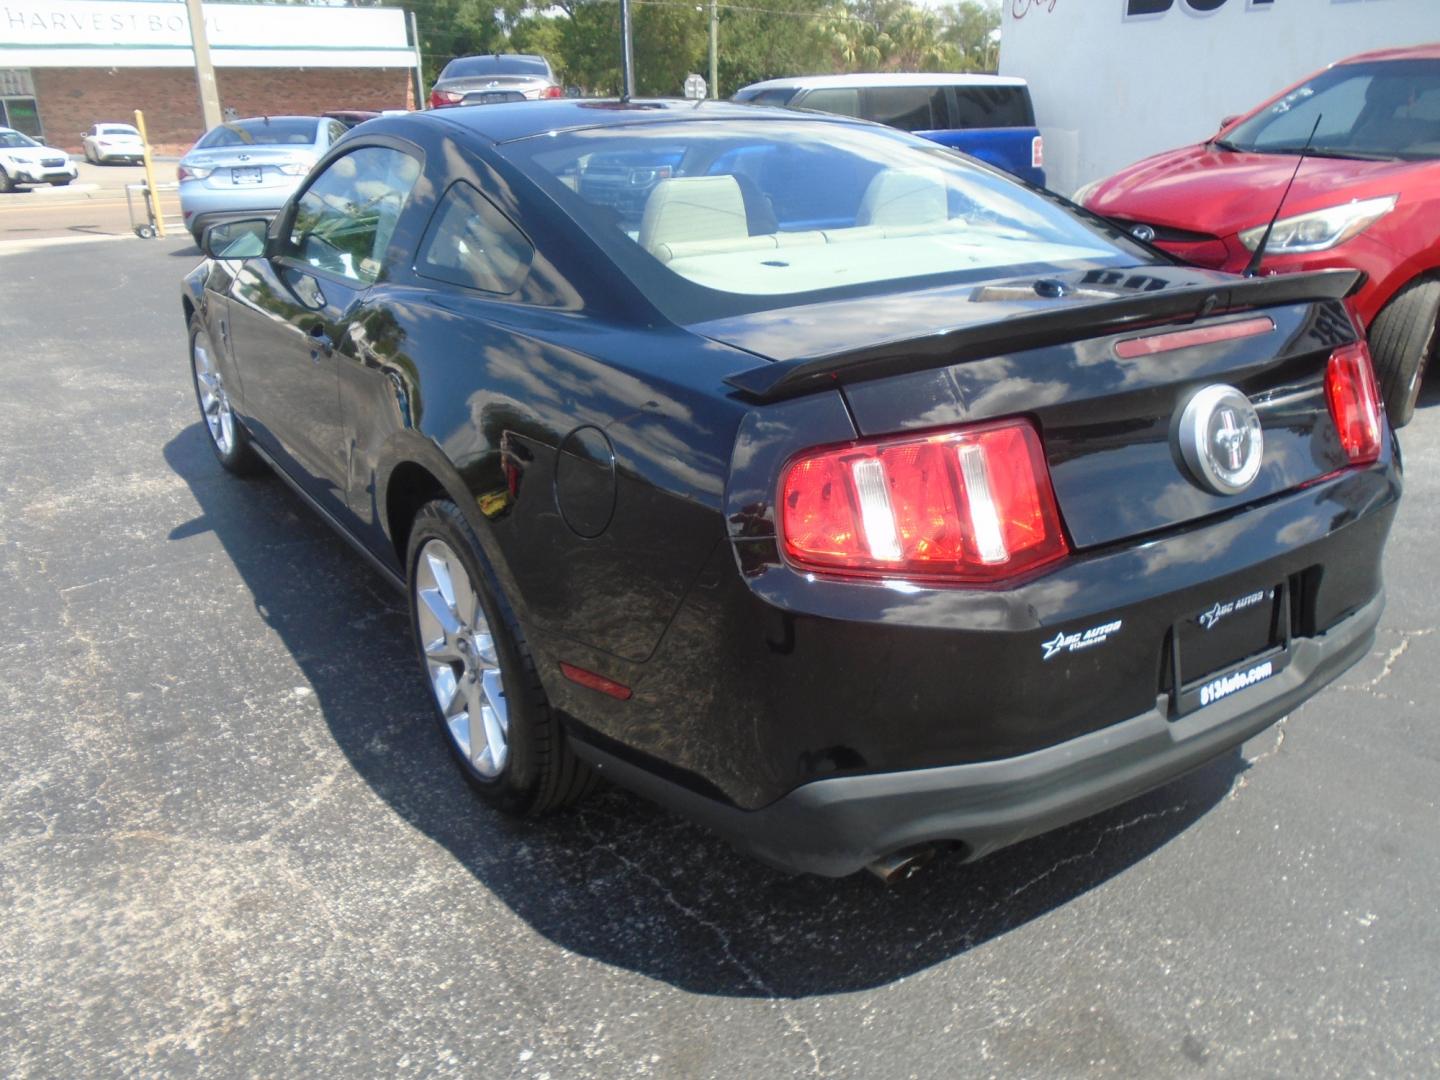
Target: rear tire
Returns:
[[492, 710], [1402, 338]]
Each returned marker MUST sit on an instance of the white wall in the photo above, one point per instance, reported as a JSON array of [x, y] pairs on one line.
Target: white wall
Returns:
[[1111, 88]]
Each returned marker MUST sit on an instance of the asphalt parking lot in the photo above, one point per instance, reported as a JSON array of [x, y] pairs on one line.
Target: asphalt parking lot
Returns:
[[232, 843]]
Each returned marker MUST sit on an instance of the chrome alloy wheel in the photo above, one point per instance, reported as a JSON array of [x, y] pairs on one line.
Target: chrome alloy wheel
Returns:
[[460, 658], [214, 403]]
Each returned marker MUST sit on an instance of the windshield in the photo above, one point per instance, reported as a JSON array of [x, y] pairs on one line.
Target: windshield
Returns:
[[274, 131], [14, 138], [721, 218], [118, 129], [1383, 109], [467, 66]]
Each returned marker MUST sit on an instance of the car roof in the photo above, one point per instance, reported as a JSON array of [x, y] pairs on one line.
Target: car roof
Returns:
[[482, 55], [1406, 52], [889, 78], [522, 119]]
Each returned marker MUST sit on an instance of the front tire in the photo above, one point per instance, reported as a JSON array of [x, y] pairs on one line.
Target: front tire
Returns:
[[60, 183], [1402, 338], [487, 695], [228, 437], [7, 185]]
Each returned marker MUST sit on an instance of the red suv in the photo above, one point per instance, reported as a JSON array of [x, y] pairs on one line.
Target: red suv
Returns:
[[1368, 196]]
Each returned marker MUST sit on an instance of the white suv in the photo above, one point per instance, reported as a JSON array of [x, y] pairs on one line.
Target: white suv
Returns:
[[25, 161]]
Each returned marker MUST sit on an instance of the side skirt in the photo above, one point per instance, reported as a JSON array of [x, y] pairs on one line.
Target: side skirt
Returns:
[[394, 580]]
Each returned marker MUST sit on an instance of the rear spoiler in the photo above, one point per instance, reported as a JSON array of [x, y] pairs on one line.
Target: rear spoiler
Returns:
[[1037, 329]]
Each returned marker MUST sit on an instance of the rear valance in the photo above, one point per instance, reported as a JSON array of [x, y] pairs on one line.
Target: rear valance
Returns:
[[1036, 329]]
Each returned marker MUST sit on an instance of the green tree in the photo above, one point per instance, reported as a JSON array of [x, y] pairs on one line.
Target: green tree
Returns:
[[968, 26]]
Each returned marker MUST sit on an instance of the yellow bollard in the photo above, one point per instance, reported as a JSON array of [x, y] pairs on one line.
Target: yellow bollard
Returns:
[[151, 195]]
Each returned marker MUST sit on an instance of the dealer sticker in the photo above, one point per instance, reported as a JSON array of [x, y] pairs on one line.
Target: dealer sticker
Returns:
[[1081, 639], [1208, 619], [1226, 685]]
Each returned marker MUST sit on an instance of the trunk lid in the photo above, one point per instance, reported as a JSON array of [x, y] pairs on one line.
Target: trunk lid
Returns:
[[1108, 423], [472, 84]]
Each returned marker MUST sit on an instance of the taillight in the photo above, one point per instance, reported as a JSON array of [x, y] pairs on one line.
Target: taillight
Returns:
[[440, 98], [968, 506], [191, 172], [1037, 152], [552, 92], [1354, 402]]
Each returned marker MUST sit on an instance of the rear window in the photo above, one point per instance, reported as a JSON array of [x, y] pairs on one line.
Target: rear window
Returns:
[[473, 244], [712, 220], [272, 131], [117, 129], [511, 64], [773, 96], [992, 107]]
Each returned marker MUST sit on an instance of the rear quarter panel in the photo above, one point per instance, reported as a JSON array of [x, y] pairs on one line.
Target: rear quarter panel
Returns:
[[1005, 148]]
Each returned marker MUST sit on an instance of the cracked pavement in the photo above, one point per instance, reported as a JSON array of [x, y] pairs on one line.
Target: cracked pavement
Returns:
[[231, 841]]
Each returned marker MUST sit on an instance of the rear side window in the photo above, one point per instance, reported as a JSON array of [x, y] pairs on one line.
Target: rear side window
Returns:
[[769, 97], [909, 108], [841, 100], [992, 107], [471, 243]]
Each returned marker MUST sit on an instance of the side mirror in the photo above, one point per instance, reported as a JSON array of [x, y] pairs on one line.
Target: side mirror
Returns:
[[1228, 121], [243, 239]]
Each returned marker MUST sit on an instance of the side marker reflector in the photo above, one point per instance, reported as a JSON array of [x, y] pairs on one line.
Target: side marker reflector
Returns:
[[593, 681]]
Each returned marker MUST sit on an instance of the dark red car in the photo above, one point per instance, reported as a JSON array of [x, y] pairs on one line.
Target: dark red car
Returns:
[[1368, 196]]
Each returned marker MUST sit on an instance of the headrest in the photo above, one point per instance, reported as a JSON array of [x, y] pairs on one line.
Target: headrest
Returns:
[[686, 208], [904, 197]]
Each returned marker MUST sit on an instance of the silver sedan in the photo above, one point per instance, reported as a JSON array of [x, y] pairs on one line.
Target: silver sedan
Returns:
[[243, 166]]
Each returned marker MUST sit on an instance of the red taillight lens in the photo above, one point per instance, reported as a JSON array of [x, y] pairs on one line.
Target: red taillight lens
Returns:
[[552, 92], [1354, 402], [973, 505], [440, 98], [1037, 152]]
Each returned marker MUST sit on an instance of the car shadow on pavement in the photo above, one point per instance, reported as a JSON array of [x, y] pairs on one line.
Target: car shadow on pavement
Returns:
[[617, 879]]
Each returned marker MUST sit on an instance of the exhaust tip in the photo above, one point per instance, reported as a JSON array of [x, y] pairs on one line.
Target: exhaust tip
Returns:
[[900, 865]]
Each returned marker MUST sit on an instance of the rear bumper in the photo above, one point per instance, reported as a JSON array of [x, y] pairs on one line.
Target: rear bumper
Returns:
[[837, 826], [201, 206]]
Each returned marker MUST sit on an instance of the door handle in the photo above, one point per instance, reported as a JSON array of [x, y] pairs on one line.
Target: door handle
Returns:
[[320, 343]]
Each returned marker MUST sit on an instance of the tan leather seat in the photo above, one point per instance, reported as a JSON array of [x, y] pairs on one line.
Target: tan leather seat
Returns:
[[685, 209], [904, 197]]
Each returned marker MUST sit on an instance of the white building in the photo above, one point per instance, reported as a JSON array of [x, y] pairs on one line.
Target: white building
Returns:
[[1117, 80]]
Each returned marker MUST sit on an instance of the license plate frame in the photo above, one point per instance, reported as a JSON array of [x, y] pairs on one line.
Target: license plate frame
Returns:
[[247, 174], [1257, 647]]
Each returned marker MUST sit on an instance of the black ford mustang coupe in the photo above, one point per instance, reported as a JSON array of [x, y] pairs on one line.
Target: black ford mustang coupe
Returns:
[[829, 487]]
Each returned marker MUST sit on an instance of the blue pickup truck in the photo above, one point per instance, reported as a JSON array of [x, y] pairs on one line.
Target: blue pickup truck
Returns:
[[986, 116]]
